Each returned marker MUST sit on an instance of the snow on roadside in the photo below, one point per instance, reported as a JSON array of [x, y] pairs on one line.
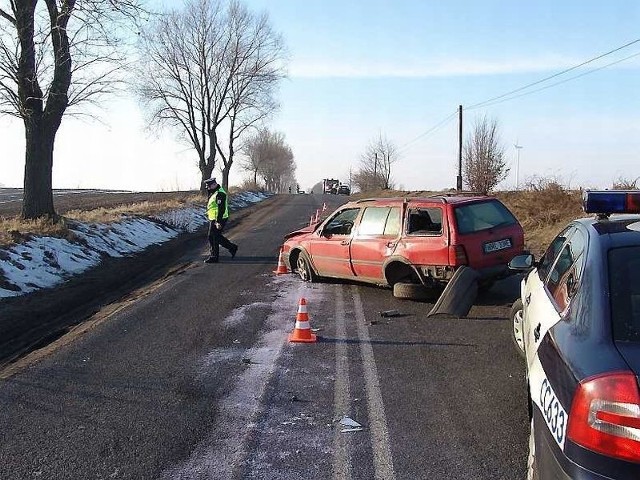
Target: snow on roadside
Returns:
[[43, 262]]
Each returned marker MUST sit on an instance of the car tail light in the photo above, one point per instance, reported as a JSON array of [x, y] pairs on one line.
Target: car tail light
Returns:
[[605, 415], [458, 255]]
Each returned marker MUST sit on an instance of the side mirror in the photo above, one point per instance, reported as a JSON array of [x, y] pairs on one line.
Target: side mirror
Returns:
[[522, 262]]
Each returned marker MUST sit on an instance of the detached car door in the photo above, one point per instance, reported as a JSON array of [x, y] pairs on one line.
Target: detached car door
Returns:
[[376, 238], [330, 250]]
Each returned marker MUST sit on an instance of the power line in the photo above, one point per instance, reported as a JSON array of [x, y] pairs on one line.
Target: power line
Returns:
[[431, 130], [562, 81], [491, 100]]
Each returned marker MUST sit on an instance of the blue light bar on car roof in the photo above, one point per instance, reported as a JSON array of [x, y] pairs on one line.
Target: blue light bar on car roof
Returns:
[[611, 201]]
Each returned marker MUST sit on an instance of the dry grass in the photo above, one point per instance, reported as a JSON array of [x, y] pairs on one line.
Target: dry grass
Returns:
[[107, 215], [15, 230]]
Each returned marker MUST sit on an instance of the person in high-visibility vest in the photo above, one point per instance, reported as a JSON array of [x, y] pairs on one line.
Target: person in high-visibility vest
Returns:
[[218, 214]]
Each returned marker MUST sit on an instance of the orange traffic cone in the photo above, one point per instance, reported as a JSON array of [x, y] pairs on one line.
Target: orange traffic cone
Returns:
[[282, 268], [302, 331]]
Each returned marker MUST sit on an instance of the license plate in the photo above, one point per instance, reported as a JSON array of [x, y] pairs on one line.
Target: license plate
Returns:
[[495, 246]]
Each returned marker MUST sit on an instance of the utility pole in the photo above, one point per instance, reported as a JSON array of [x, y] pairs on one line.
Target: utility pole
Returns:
[[459, 179], [375, 170], [518, 148]]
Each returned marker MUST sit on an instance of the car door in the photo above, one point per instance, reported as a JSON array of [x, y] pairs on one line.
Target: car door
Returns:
[[375, 239], [330, 250], [538, 307]]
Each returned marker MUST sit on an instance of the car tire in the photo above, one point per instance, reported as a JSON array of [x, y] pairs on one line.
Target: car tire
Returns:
[[517, 333], [410, 291], [304, 269], [532, 463]]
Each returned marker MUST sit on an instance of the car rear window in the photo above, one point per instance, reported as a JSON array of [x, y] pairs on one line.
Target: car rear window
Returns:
[[624, 289], [479, 216]]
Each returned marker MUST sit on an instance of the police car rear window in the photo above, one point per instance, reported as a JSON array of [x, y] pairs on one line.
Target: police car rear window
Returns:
[[482, 216], [624, 288]]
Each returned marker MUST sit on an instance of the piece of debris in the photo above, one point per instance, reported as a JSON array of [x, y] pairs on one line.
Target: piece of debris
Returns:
[[373, 322], [349, 422], [390, 313], [351, 429], [315, 330], [247, 361], [294, 398]]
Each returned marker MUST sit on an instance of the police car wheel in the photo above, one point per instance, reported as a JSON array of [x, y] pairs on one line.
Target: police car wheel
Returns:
[[517, 334], [532, 464], [303, 267]]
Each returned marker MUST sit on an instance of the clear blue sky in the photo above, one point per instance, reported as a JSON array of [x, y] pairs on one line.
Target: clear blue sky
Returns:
[[359, 68]]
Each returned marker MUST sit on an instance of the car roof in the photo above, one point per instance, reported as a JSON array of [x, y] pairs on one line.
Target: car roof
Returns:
[[433, 199], [619, 230]]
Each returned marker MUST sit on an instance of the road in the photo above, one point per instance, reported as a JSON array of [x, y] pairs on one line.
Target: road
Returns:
[[196, 380]]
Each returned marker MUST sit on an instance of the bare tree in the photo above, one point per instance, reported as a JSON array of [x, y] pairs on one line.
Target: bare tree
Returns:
[[484, 165], [624, 183], [375, 165], [55, 54], [260, 67], [211, 62], [268, 155]]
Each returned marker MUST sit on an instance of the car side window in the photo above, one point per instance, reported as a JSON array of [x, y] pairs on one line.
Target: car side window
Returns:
[[424, 221], [392, 227], [342, 222], [564, 277], [373, 221], [549, 257]]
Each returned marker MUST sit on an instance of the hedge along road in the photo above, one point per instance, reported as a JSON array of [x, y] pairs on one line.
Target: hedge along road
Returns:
[[195, 379]]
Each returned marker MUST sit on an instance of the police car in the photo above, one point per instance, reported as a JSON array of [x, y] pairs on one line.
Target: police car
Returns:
[[577, 323]]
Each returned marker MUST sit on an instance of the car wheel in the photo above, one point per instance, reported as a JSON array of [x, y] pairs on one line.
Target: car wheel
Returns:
[[532, 464], [303, 267], [410, 291], [517, 333]]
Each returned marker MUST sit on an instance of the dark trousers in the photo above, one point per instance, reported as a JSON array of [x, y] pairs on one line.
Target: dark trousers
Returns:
[[216, 238]]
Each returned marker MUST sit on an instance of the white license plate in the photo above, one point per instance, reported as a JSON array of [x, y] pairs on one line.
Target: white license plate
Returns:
[[495, 246]]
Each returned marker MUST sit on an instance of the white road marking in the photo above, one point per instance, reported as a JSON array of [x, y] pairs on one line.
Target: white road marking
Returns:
[[341, 459], [382, 459]]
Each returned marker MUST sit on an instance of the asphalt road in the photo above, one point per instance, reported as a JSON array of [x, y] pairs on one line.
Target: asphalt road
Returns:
[[196, 380]]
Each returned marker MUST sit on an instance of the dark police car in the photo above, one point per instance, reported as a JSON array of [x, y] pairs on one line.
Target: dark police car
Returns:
[[577, 323]]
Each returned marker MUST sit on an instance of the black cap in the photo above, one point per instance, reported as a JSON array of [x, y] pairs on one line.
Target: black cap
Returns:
[[211, 182]]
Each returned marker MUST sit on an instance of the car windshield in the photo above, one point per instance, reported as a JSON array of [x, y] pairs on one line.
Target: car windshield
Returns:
[[624, 289], [482, 216]]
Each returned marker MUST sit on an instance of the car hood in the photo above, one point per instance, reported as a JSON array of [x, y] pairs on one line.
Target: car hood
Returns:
[[302, 231]]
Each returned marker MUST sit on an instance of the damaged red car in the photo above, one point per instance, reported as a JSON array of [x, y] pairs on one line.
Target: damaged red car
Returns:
[[411, 244]]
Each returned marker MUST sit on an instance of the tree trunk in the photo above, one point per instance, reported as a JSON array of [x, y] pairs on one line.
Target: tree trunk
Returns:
[[225, 176], [38, 185], [206, 169]]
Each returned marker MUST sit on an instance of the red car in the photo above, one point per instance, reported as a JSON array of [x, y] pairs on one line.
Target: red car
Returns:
[[408, 243]]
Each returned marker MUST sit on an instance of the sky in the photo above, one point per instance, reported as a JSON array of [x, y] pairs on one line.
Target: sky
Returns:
[[359, 69]]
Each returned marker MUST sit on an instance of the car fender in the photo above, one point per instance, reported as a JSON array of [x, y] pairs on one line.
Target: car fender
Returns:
[[400, 259], [303, 250]]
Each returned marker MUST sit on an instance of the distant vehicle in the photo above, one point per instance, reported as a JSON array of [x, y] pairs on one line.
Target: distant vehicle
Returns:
[[344, 190], [301, 192], [330, 185], [577, 323], [412, 244]]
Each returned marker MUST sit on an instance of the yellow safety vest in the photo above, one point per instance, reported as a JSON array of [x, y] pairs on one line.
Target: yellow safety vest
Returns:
[[212, 205]]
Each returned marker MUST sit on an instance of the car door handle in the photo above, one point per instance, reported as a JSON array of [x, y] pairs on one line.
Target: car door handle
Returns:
[[391, 244], [344, 242]]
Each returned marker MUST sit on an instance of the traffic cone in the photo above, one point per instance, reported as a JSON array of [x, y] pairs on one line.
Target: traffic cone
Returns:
[[302, 331], [282, 267]]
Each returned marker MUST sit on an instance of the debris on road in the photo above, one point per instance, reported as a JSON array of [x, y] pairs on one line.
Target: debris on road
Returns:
[[390, 313], [350, 425]]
